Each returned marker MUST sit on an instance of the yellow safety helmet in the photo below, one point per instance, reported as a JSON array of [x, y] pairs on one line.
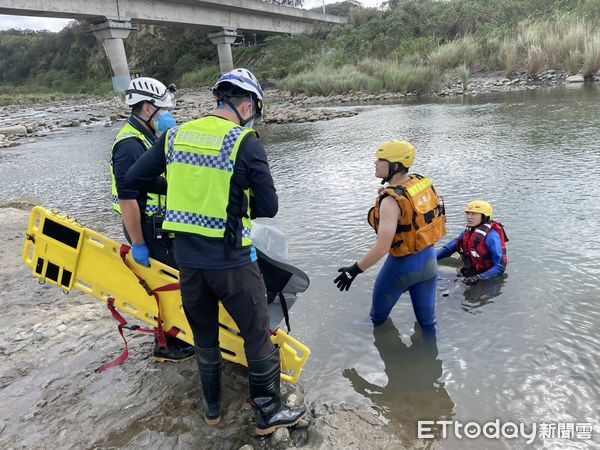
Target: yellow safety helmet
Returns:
[[397, 151], [481, 207]]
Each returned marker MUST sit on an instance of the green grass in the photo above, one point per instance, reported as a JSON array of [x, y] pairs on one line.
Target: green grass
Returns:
[[406, 78], [463, 51], [463, 74], [535, 61], [329, 80], [591, 57], [565, 42], [200, 78], [369, 75]]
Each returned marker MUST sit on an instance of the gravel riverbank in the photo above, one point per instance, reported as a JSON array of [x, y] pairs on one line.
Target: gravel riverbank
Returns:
[[52, 396], [28, 123]]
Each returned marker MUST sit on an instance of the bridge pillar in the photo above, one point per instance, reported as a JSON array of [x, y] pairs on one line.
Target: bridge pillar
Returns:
[[223, 39], [112, 33]]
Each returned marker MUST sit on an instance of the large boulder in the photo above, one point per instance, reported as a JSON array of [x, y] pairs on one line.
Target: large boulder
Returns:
[[15, 130]]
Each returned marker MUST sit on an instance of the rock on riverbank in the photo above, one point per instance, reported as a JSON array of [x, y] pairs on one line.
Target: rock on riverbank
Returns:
[[52, 396]]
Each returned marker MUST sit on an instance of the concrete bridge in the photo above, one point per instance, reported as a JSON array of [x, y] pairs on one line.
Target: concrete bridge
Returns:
[[112, 21]]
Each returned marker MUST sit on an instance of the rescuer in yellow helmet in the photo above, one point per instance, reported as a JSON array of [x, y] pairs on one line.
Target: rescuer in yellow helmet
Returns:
[[409, 219], [482, 246]]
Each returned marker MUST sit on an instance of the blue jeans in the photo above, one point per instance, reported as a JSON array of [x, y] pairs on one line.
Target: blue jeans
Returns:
[[416, 274]]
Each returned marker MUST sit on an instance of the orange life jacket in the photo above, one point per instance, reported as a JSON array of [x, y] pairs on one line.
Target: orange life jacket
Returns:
[[422, 220]]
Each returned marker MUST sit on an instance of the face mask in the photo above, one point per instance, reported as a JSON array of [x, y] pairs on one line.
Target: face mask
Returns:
[[165, 121]]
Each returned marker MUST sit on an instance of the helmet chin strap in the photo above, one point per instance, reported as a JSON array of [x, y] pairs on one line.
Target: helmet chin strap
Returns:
[[149, 121], [231, 107], [393, 169]]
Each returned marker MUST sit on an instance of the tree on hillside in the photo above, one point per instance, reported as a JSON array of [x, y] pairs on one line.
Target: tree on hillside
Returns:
[[340, 8], [392, 4]]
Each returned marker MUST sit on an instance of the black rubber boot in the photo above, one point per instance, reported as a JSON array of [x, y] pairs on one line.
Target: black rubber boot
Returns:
[[265, 396], [177, 350], [209, 366]]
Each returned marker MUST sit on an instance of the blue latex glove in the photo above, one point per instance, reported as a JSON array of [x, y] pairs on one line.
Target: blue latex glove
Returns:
[[141, 254]]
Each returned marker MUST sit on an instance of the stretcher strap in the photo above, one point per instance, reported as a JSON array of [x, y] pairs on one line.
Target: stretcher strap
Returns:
[[122, 324], [158, 332]]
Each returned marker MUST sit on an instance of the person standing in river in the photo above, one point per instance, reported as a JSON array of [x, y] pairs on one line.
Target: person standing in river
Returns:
[[409, 218], [482, 246], [218, 179], [142, 211]]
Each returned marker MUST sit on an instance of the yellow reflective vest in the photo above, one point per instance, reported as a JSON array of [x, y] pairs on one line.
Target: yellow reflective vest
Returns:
[[155, 202], [200, 159]]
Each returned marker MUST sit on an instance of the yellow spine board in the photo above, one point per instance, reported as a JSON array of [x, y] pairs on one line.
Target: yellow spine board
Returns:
[[64, 253]]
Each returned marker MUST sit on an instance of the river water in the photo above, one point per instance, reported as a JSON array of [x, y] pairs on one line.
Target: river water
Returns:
[[523, 348]]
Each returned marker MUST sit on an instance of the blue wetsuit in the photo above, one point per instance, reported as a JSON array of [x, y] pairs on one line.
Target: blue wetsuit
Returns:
[[416, 274], [494, 247]]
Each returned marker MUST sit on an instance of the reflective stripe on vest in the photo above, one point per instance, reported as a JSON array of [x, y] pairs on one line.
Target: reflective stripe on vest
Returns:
[[200, 157], [155, 203]]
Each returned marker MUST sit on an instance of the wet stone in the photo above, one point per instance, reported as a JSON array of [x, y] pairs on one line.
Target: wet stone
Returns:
[[280, 435], [293, 399], [320, 410], [302, 423]]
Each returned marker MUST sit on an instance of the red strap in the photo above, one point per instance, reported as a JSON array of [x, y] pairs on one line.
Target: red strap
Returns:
[[122, 324], [168, 287], [159, 332]]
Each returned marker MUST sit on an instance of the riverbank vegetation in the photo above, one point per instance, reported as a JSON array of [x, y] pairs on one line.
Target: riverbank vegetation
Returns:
[[418, 46], [411, 46]]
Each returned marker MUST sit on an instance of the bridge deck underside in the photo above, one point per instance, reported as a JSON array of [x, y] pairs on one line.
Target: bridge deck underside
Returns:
[[205, 14]]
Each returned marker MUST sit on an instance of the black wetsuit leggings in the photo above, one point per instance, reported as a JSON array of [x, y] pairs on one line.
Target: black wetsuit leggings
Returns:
[[243, 293]]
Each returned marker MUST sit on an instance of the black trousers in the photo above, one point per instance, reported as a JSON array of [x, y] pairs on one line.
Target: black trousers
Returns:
[[244, 296]]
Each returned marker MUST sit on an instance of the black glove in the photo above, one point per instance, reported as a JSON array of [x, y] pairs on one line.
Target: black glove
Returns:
[[472, 280], [345, 279]]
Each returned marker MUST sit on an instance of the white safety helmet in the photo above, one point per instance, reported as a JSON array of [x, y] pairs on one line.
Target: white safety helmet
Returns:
[[244, 80], [149, 90]]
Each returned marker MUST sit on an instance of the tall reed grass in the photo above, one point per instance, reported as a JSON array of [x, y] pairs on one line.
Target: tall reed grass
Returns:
[[464, 51], [369, 75], [563, 43], [463, 75]]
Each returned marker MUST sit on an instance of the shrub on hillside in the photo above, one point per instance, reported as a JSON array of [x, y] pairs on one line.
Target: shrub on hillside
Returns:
[[201, 77]]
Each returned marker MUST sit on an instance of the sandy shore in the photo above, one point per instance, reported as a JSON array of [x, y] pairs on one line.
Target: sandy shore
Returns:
[[52, 396]]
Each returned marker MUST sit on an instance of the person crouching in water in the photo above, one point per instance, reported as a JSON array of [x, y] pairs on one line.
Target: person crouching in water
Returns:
[[409, 219], [482, 246]]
